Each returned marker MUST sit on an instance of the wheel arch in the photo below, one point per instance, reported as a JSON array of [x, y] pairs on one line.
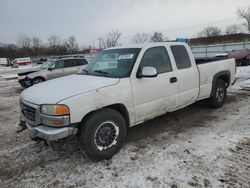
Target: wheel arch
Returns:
[[119, 107], [39, 77], [223, 75]]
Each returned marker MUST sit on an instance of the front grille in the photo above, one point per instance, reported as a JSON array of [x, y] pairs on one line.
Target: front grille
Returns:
[[28, 111]]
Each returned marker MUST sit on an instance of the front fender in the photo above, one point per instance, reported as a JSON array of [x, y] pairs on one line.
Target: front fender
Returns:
[[83, 104], [36, 74]]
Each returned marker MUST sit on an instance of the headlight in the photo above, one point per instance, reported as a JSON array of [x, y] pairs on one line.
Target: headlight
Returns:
[[21, 77], [55, 109]]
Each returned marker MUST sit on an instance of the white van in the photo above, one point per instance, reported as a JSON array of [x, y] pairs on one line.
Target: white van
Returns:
[[22, 61], [4, 62]]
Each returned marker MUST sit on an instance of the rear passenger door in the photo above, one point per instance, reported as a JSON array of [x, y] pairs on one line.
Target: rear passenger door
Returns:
[[188, 75], [71, 66]]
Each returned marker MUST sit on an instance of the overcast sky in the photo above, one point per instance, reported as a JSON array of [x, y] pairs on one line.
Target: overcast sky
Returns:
[[89, 19]]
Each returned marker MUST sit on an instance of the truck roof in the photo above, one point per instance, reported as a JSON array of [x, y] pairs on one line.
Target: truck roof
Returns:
[[146, 45]]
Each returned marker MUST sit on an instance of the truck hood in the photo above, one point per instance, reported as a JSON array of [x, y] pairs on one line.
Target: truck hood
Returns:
[[53, 91]]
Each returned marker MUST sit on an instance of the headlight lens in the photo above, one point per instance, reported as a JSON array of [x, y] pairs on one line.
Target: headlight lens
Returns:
[[21, 77], [55, 109]]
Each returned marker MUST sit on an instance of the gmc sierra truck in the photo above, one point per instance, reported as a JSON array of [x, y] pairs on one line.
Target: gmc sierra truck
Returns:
[[120, 88]]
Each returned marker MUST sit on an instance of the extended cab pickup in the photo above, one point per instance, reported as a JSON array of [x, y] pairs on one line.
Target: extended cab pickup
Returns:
[[122, 87]]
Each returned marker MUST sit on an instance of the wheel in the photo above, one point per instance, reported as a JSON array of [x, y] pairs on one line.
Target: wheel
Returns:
[[102, 134], [37, 81], [219, 94]]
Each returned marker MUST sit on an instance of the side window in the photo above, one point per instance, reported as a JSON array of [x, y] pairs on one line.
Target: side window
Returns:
[[58, 65], [181, 56], [81, 62], [70, 63], [156, 57]]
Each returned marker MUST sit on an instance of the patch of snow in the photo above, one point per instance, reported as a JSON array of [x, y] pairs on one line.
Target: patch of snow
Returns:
[[243, 72], [9, 76]]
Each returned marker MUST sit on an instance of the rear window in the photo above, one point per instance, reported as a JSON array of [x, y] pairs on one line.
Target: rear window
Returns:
[[70, 63], [181, 56], [81, 62]]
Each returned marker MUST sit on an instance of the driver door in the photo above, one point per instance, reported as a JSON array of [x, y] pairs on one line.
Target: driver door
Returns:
[[157, 95]]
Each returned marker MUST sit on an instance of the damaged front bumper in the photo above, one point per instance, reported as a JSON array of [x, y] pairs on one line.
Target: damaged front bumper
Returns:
[[24, 82], [50, 133]]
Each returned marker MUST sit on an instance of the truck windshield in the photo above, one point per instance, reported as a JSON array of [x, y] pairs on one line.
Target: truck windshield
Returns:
[[116, 63]]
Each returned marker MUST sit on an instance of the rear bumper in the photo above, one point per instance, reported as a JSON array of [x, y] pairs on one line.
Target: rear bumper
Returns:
[[50, 133]]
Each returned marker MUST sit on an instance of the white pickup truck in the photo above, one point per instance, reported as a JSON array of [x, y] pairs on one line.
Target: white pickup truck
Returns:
[[122, 87]]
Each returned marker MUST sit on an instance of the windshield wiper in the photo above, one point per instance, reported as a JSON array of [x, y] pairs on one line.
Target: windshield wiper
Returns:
[[105, 73], [102, 72], [85, 71]]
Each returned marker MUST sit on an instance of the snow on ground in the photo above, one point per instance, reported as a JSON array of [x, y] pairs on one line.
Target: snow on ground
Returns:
[[8, 71], [193, 147]]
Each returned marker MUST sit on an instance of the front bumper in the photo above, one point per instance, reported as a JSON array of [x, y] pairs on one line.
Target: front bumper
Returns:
[[50, 133], [36, 123], [25, 82]]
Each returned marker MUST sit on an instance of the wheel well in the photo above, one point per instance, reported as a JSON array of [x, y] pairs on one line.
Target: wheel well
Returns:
[[122, 110], [223, 75], [118, 107], [225, 78], [39, 77]]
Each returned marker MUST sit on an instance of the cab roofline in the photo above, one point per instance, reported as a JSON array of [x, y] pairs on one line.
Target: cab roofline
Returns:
[[145, 45]]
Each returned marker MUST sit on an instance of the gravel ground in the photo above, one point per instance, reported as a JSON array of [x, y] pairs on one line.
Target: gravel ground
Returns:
[[193, 147]]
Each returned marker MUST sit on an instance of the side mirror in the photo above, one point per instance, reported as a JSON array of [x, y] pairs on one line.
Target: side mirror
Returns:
[[50, 69], [148, 72]]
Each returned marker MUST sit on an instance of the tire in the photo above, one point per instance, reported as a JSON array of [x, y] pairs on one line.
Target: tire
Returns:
[[102, 134], [37, 81], [219, 94]]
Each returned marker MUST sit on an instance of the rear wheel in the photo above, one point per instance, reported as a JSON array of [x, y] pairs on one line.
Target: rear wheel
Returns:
[[219, 94], [102, 134], [37, 81]]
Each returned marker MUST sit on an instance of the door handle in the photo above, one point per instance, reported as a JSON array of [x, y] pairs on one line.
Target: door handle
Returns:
[[173, 80]]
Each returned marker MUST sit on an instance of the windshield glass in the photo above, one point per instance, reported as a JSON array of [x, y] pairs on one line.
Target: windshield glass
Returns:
[[239, 52], [117, 63], [45, 65]]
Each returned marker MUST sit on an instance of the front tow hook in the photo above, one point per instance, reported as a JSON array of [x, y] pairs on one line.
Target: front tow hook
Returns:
[[21, 126]]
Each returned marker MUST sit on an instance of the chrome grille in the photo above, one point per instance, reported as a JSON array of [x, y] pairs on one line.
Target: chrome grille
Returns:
[[28, 111]]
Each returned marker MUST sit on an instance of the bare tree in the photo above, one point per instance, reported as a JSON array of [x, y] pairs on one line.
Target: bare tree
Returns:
[[210, 32], [244, 13], [36, 45], [71, 44], [23, 41], [157, 37], [36, 42], [110, 40], [233, 29], [140, 38], [54, 41]]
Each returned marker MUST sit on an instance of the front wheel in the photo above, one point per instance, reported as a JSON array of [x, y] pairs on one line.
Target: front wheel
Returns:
[[37, 81], [219, 94], [102, 134]]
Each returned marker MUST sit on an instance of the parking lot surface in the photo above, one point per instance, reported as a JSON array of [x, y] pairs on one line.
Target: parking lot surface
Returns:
[[194, 147]]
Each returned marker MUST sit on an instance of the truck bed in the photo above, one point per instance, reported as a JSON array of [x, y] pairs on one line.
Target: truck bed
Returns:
[[208, 70], [207, 60]]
